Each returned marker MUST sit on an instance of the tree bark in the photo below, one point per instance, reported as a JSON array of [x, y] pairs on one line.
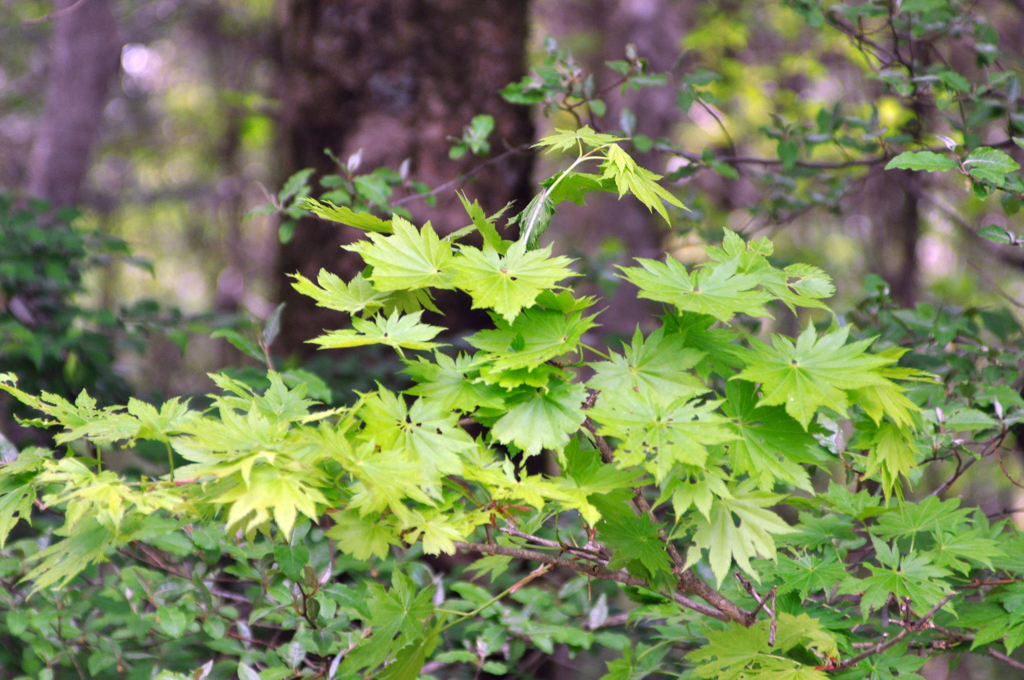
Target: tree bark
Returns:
[[84, 57], [395, 78]]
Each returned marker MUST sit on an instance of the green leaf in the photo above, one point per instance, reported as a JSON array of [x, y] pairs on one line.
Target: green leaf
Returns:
[[574, 186], [346, 216], [425, 433], [642, 183], [454, 384], [996, 234], [536, 336], [544, 418], [921, 160], [408, 259], [657, 365], [485, 225], [990, 165], [714, 290], [563, 140], [726, 541], [811, 373], [291, 559], [399, 332], [353, 297], [931, 514], [806, 574], [957, 550], [738, 653], [912, 576], [633, 537], [373, 188], [362, 536], [511, 282], [657, 428], [770, 446]]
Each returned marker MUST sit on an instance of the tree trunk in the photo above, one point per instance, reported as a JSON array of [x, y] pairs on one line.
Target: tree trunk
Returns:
[[395, 78], [83, 60]]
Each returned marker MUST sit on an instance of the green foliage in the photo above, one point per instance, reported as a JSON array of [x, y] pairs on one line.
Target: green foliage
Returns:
[[654, 482], [715, 427]]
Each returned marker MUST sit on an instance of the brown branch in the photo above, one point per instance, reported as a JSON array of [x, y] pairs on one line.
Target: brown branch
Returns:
[[1005, 659], [591, 570], [688, 581], [907, 630]]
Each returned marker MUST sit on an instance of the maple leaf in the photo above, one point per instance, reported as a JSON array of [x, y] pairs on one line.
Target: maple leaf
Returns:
[[425, 432], [511, 282], [812, 373], [770, 445], [718, 291], [931, 514], [399, 332], [408, 259], [668, 432], [362, 536], [891, 451], [634, 537], [957, 549], [912, 575], [344, 215], [740, 653], [586, 474], [454, 383], [657, 365], [806, 574], [333, 293], [725, 540], [563, 140], [620, 167], [543, 418], [536, 336]]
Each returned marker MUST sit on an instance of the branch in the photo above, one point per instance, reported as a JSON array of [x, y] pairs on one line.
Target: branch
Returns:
[[1005, 659], [591, 570], [688, 581], [523, 148], [907, 630]]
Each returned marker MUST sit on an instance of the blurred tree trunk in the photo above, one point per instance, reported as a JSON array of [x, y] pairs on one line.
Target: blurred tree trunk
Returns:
[[395, 78], [656, 27], [83, 59], [894, 214]]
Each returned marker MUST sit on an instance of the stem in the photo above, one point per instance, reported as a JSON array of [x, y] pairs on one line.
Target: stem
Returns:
[[531, 222], [170, 457]]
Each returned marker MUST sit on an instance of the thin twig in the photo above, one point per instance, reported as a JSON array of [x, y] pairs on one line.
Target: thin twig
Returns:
[[1005, 659], [907, 630], [523, 148], [591, 570]]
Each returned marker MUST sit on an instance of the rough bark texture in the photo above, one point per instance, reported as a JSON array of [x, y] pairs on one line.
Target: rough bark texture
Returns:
[[656, 28], [395, 78], [83, 60]]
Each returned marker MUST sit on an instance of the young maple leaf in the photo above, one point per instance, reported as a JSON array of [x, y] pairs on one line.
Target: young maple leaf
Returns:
[[399, 332], [333, 293], [511, 282], [408, 259], [719, 290], [812, 373], [656, 365]]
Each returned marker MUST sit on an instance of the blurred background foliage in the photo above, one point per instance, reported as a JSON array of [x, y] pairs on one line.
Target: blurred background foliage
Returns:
[[761, 114]]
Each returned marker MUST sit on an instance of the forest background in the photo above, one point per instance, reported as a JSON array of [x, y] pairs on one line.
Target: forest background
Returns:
[[173, 125]]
